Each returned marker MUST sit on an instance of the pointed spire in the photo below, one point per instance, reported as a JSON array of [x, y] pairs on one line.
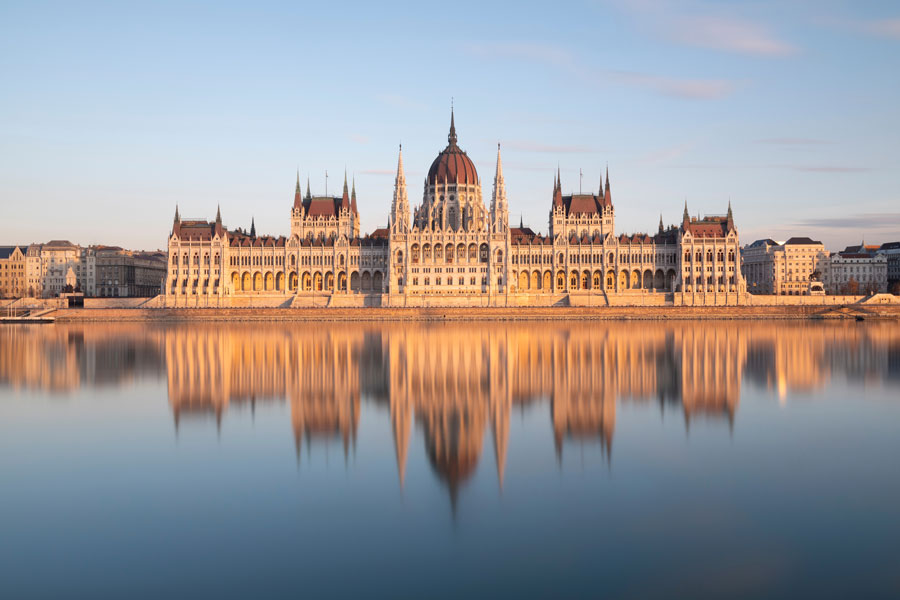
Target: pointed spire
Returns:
[[521, 221], [607, 178], [557, 189], [661, 228], [218, 215], [353, 197], [298, 193], [177, 216], [730, 217], [686, 217], [451, 137], [308, 195], [400, 165], [252, 227], [345, 197], [400, 203], [499, 164]]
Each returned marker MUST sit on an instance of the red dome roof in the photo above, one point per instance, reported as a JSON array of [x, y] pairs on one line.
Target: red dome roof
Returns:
[[452, 164]]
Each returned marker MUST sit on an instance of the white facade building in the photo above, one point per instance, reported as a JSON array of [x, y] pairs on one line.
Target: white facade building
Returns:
[[453, 250]]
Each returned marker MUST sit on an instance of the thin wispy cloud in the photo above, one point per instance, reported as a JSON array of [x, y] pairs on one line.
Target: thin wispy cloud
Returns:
[[562, 59], [789, 141], [535, 146], [885, 220], [887, 27], [882, 27], [824, 168], [695, 89], [704, 25], [728, 34]]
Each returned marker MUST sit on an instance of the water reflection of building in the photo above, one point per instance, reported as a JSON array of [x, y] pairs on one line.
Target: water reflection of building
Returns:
[[211, 368], [458, 383], [63, 358]]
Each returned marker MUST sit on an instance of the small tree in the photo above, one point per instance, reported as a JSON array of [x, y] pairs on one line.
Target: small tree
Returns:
[[851, 288]]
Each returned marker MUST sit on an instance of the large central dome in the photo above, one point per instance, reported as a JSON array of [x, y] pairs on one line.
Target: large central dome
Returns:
[[452, 164]]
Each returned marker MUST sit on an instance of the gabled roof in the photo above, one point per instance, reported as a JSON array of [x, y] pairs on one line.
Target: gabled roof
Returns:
[[763, 242], [708, 227], [585, 204], [6, 251], [322, 206]]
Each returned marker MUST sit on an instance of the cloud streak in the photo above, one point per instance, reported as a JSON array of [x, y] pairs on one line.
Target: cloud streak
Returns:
[[788, 141], [883, 27], [863, 221], [535, 146], [715, 31], [824, 168], [560, 58], [694, 89], [728, 34]]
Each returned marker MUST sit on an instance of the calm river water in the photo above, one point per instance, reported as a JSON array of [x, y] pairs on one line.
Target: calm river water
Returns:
[[622, 460]]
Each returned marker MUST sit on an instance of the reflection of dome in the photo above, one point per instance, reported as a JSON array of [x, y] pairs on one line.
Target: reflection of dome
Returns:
[[452, 163], [453, 469]]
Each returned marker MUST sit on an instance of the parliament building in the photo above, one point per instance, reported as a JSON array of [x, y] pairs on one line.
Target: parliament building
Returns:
[[454, 250]]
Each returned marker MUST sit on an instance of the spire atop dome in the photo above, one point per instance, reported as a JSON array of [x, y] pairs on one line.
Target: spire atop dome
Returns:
[[451, 137]]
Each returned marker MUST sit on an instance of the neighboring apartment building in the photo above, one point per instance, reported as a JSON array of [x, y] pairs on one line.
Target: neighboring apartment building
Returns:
[[126, 273], [54, 260], [785, 269], [858, 270], [12, 271], [892, 251], [107, 271]]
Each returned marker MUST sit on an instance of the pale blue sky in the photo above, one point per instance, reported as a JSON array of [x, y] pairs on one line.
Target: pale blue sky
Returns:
[[111, 113]]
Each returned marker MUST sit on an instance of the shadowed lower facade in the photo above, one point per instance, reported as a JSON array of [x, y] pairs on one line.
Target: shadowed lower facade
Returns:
[[454, 250]]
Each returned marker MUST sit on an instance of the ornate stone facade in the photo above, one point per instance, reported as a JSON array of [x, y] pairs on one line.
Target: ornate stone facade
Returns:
[[453, 250]]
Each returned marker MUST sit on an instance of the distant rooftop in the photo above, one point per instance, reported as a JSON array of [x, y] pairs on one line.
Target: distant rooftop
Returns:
[[801, 241]]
